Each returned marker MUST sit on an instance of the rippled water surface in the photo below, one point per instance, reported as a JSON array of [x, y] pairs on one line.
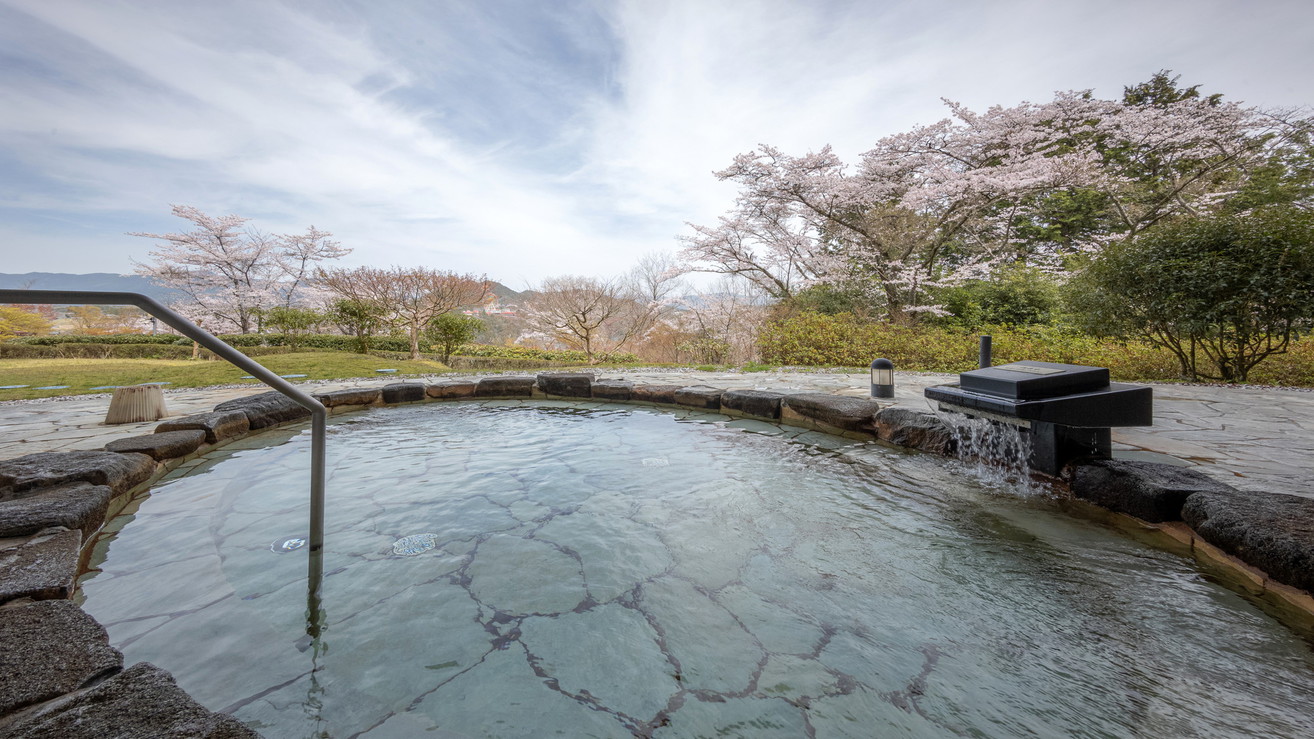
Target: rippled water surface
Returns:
[[613, 571]]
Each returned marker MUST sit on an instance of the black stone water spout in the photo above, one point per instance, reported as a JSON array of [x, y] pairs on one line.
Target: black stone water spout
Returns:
[[1067, 409]]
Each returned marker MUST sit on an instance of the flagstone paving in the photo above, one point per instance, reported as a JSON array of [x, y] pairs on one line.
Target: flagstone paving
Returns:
[[1254, 438]]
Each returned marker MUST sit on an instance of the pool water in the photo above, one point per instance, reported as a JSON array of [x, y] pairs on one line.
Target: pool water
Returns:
[[519, 569]]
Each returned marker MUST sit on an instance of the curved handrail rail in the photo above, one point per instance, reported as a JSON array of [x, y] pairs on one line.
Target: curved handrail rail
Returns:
[[318, 413]]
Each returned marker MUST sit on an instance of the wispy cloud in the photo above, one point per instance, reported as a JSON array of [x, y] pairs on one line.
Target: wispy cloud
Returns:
[[523, 139]]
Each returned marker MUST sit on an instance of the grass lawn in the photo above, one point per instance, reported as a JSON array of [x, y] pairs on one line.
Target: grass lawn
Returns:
[[83, 374]]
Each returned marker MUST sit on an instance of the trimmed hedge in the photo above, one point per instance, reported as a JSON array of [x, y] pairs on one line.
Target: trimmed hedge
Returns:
[[335, 342], [310, 341], [84, 350], [58, 339], [816, 340], [80, 350]]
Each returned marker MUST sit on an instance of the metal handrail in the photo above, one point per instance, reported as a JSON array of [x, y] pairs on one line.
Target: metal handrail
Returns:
[[318, 413]]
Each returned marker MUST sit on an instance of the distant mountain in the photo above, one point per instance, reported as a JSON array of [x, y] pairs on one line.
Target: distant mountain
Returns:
[[505, 294], [106, 281]]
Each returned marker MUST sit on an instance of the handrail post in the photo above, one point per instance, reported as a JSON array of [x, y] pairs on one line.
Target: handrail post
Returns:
[[318, 413], [315, 577]]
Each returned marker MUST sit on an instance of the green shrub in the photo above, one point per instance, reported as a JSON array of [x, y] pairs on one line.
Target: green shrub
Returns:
[[1223, 293], [812, 339], [294, 323], [1016, 296], [335, 342], [450, 331]]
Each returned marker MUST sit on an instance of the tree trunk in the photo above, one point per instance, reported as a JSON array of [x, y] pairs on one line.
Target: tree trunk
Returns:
[[415, 340]]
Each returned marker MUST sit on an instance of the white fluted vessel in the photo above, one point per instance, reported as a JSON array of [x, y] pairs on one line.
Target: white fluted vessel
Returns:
[[136, 404]]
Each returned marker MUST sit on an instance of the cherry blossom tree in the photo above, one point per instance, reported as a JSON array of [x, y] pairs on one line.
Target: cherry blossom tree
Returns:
[[298, 256], [722, 323], [409, 297], [941, 203], [916, 214], [229, 273], [596, 316]]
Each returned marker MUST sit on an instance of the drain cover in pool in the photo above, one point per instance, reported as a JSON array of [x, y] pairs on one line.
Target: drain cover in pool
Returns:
[[288, 545], [414, 544]]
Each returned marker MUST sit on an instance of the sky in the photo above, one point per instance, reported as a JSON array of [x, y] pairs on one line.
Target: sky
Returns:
[[530, 138]]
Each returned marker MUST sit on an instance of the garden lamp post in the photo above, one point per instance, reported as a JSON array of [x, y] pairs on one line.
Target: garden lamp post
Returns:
[[882, 378]]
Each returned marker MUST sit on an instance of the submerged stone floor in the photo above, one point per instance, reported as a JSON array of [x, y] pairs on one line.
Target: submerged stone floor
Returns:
[[577, 568], [1254, 438]]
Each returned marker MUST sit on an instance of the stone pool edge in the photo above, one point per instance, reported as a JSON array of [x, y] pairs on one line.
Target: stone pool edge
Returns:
[[57, 662]]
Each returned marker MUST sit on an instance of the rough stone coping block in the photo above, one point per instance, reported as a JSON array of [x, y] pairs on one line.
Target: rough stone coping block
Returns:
[[655, 393], [1150, 491], [566, 384], [840, 411], [613, 389], [142, 701], [698, 396], [915, 429], [504, 387], [48, 649], [75, 505], [121, 472], [760, 403], [1273, 532], [403, 392], [41, 567], [160, 445], [266, 409], [351, 396], [450, 389], [217, 425]]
